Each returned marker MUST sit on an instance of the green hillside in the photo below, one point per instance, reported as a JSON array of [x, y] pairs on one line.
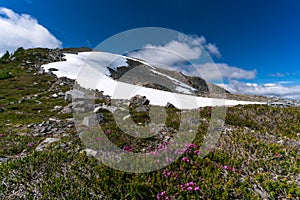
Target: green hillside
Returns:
[[257, 155]]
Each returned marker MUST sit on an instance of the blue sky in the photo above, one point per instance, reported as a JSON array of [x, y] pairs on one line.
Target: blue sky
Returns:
[[250, 35]]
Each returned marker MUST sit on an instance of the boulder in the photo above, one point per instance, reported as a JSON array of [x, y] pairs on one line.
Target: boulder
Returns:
[[141, 109], [93, 120], [74, 94], [139, 103], [66, 110], [90, 121], [90, 152], [169, 105], [82, 107], [57, 108], [54, 95]]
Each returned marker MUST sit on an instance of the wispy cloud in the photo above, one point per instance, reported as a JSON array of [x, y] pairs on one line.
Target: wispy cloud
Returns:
[[214, 70], [270, 89], [277, 75], [213, 49], [22, 30]]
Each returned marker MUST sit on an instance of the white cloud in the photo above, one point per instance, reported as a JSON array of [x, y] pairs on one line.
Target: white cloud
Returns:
[[213, 71], [271, 89], [213, 50], [185, 48], [192, 39], [171, 53], [285, 82], [23, 31]]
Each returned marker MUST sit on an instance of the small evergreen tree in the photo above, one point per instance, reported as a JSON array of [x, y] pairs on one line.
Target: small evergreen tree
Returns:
[[19, 51], [5, 57]]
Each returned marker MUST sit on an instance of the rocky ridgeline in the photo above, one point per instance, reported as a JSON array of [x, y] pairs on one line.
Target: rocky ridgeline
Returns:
[[35, 58]]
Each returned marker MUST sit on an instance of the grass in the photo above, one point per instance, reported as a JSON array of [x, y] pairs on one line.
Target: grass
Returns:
[[257, 155]]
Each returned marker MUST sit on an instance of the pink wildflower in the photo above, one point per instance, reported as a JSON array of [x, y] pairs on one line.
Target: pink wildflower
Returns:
[[162, 194], [191, 183], [154, 153], [197, 152], [189, 188], [127, 148], [185, 159], [30, 144], [167, 173], [226, 167], [181, 187]]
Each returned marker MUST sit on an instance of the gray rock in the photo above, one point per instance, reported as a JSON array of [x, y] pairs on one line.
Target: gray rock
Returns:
[[48, 128], [74, 94], [141, 109], [90, 121], [111, 109], [30, 125], [44, 130], [52, 69], [41, 71], [82, 107], [90, 152], [2, 109], [54, 95], [100, 117], [169, 105], [3, 160], [45, 143], [61, 94], [139, 103], [57, 108], [93, 120], [146, 102], [66, 110]]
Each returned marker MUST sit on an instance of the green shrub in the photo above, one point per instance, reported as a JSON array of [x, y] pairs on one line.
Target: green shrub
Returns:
[[5, 74]]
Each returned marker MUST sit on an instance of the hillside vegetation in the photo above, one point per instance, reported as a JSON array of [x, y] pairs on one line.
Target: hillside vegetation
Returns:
[[256, 157]]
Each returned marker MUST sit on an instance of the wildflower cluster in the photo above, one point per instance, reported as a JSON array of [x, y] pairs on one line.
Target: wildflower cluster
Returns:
[[190, 186], [162, 195]]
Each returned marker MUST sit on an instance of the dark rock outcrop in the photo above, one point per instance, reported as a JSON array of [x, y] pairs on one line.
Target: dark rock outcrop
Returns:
[[139, 103]]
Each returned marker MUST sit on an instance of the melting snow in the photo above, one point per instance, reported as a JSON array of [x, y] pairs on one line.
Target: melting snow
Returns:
[[90, 70]]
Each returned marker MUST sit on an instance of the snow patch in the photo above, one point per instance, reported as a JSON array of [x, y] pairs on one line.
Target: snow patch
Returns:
[[93, 76]]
